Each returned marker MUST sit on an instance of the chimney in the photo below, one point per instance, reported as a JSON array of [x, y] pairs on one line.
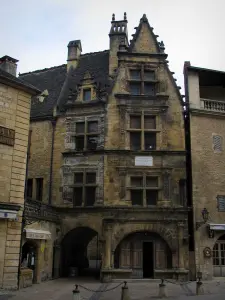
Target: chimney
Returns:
[[118, 36], [8, 64], [74, 52]]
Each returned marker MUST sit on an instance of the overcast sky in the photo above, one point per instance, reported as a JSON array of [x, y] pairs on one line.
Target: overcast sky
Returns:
[[36, 32]]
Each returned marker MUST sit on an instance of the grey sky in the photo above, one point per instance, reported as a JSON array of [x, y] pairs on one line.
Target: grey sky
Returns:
[[37, 32]]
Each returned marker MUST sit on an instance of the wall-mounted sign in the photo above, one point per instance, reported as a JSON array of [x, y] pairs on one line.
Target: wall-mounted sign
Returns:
[[7, 136], [144, 161]]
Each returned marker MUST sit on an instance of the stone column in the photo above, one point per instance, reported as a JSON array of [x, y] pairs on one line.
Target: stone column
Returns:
[[108, 246], [180, 242]]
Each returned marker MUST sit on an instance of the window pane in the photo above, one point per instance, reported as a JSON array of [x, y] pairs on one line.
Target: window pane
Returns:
[[150, 122], [87, 94], [149, 75], [136, 181], [79, 143], [135, 74], [149, 89], [182, 192], [152, 181], [29, 188], [90, 178], [150, 141], [136, 197], [92, 126], [90, 196], [39, 189], [78, 196], [135, 140], [135, 88], [135, 122], [92, 142], [151, 197], [78, 178], [80, 127]]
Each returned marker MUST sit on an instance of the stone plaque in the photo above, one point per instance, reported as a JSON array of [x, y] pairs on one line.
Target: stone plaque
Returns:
[[7, 136], [144, 161]]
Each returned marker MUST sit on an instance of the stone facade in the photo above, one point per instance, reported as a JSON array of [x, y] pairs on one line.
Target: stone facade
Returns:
[[93, 163], [205, 96], [15, 99]]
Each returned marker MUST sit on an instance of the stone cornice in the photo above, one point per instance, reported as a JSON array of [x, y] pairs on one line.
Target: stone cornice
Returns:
[[203, 112]]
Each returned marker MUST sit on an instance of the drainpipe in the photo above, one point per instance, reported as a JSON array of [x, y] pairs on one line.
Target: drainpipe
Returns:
[[53, 122]]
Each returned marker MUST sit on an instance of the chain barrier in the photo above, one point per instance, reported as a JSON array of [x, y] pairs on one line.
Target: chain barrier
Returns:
[[177, 282], [101, 291]]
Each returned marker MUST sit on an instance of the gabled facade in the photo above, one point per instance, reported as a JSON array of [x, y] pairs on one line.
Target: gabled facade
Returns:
[[108, 142], [205, 94]]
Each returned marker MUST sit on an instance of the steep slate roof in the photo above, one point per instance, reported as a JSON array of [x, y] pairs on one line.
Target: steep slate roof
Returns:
[[97, 64], [14, 81], [50, 79]]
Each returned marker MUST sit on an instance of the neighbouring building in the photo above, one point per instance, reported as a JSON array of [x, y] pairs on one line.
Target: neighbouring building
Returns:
[[15, 99], [107, 154], [205, 127]]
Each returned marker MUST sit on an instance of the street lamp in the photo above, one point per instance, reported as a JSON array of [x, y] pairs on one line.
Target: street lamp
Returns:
[[205, 215]]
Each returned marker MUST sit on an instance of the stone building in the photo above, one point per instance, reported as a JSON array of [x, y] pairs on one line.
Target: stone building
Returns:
[[205, 121], [15, 99], [107, 153]]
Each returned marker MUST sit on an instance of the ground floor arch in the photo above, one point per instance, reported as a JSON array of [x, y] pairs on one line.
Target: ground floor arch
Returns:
[[219, 257], [144, 252], [29, 257], [79, 248]]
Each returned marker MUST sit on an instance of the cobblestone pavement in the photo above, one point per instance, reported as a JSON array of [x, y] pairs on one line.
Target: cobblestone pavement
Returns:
[[61, 289]]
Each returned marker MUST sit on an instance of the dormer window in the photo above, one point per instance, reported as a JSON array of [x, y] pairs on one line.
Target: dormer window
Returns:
[[87, 94], [142, 82]]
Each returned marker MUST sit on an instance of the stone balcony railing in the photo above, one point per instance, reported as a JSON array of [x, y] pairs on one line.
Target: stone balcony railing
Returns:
[[213, 105]]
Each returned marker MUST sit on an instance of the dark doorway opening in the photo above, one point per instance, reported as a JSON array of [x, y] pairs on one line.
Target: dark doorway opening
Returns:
[[148, 260], [29, 258]]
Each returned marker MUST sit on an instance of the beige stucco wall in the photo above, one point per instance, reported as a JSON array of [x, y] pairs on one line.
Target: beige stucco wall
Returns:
[[193, 90], [14, 114]]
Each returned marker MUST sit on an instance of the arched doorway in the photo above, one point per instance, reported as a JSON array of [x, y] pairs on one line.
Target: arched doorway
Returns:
[[219, 257], [29, 258], [143, 252], [80, 250]]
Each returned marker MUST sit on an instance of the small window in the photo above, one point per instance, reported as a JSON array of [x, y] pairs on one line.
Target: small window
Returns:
[[86, 94], [136, 181], [149, 89], [92, 142], [39, 189], [78, 196], [90, 178], [80, 127], [92, 127], [135, 88], [135, 74], [90, 196], [149, 75], [136, 197], [79, 143], [221, 203], [217, 143], [135, 140], [151, 181], [135, 122], [151, 197], [78, 178], [150, 141], [150, 122], [182, 192], [29, 188]]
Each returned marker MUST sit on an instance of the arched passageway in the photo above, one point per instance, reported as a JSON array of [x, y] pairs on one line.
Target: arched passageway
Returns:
[[143, 252], [219, 257], [80, 253], [29, 258]]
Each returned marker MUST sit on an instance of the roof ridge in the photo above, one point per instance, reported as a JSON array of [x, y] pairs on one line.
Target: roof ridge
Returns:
[[42, 70], [89, 53]]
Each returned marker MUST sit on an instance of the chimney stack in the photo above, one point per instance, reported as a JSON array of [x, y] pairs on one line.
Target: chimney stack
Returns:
[[8, 64], [74, 52]]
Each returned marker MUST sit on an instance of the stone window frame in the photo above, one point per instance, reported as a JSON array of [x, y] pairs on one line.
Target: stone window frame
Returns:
[[141, 173], [142, 81], [84, 185]]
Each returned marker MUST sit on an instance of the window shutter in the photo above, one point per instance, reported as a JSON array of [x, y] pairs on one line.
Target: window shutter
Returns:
[[217, 143], [221, 203]]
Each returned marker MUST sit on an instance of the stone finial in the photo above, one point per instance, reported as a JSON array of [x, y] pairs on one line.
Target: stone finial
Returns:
[[125, 16], [144, 18], [113, 17]]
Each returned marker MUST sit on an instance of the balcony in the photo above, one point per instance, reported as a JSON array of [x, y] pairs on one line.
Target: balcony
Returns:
[[213, 105]]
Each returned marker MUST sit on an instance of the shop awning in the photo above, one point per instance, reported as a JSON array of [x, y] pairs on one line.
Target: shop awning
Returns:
[[36, 234], [217, 227]]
